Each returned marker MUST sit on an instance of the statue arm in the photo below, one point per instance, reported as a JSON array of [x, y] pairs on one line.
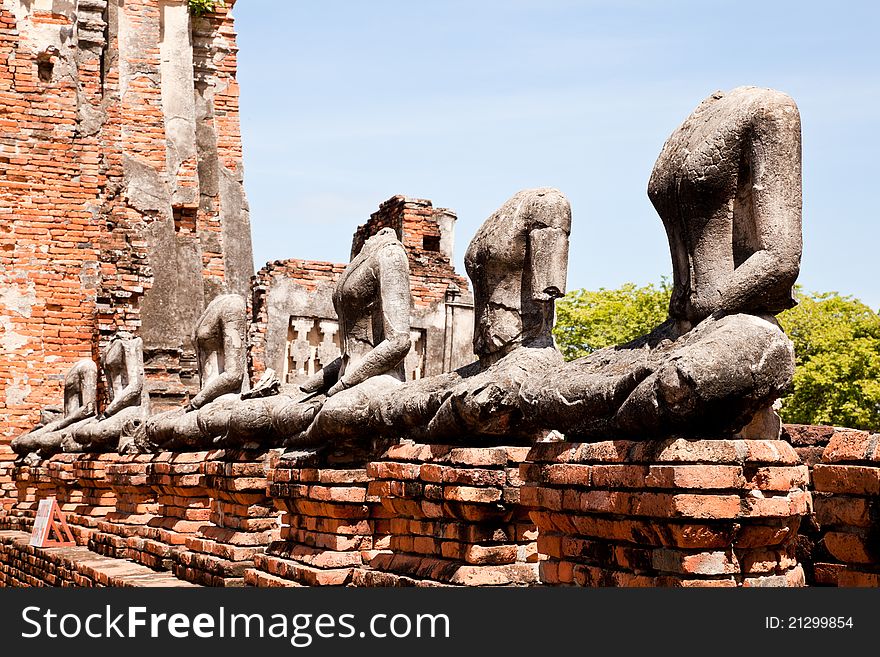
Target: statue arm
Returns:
[[230, 379], [774, 154], [548, 245], [87, 389], [130, 395], [549, 263], [323, 379], [396, 305]]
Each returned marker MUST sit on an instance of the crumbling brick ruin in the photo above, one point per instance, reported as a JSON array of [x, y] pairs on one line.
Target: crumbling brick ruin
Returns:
[[122, 190], [122, 209]]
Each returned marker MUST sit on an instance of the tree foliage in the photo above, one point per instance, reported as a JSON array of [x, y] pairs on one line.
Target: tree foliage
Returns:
[[837, 347], [588, 320], [836, 339], [200, 7]]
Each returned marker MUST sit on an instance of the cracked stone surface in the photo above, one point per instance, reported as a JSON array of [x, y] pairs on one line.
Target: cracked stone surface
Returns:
[[518, 262], [727, 186]]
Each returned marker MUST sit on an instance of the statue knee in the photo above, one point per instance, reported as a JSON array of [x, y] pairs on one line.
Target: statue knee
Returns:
[[291, 418]]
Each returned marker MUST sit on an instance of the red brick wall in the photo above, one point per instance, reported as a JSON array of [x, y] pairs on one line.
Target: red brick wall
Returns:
[[75, 260], [49, 241]]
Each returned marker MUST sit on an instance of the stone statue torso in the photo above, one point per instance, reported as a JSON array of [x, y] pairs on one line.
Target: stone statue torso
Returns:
[[700, 187], [224, 315], [116, 366], [358, 304], [495, 261], [75, 393]]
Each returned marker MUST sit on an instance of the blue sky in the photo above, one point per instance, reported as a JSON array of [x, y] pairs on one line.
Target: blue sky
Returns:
[[345, 104]]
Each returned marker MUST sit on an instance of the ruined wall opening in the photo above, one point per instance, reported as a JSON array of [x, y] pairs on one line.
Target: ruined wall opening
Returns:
[[184, 218], [45, 67], [431, 243]]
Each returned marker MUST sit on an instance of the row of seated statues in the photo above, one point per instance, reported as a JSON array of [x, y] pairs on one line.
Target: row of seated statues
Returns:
[[727, 186]]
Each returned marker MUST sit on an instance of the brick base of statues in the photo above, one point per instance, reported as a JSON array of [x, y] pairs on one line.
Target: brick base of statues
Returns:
[[675, 512], [668, 513]]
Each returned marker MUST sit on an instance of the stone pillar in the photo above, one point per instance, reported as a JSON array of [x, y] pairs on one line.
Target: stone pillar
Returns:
[[667, 513], [243, 520], [136, 506], [847, 498], [455, 518], [328, 524]]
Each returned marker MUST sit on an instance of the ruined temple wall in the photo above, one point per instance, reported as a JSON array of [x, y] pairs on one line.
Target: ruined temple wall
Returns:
[[121, 198], [281, 290]]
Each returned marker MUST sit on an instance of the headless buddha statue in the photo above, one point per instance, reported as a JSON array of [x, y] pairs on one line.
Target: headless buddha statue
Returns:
[[123, 365], [727, 186], [80, 392], [219, 339], [373, 303], [518, 262]]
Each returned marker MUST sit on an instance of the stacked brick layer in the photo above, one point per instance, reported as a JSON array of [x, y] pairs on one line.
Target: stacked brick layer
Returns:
[[23, 565], [847, 499], [329, 526], [7, 486], [184, 505], [32, 483], [136, 506], [82, 490], [455, 518], [809, 442], [667, 513], [243, 521]]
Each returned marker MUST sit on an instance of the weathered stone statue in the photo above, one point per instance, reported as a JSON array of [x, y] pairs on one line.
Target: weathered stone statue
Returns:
[[727, 186], [80, 393], [518, 262], [373, 302], [219, 338], [123, 363]]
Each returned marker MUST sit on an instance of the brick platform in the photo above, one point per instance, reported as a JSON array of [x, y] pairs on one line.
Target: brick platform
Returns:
[[23, 565], [136, 506], [847, 498], [667, 513], [82, 490], [329, 526], [243, 520], [455, 518], [184, 505]]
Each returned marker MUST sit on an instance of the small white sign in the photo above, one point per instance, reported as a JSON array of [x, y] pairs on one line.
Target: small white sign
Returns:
[[41, 522]]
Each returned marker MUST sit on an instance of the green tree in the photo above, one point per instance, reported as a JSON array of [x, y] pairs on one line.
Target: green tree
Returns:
[[836, 340], [837, 348], [588, 320], [201, 7]]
